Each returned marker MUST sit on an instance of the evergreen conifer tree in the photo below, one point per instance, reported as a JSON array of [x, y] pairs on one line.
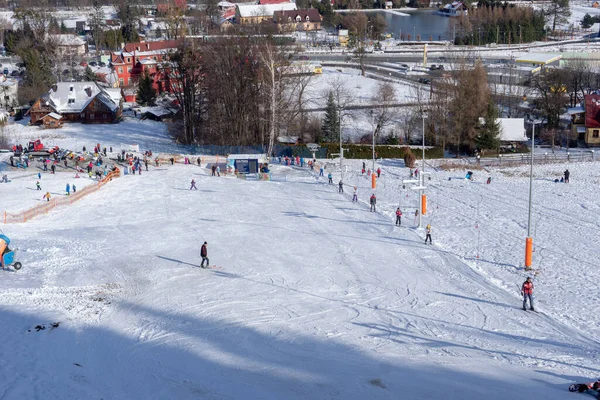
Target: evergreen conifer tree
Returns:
[[489, 134], [146, 94], [331, 126]]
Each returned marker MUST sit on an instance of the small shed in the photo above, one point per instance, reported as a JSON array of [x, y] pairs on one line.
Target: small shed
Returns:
[[52, 121]]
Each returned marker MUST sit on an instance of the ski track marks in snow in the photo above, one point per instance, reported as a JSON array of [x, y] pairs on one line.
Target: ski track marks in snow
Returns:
[[317, 297]]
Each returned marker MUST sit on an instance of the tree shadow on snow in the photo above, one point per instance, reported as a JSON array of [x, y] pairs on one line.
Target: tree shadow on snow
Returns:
[[476, 299], [176, 353]]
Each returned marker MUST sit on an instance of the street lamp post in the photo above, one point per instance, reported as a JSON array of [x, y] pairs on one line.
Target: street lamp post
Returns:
[[423, 147], [529, 239], [374, 129], [421, 174]]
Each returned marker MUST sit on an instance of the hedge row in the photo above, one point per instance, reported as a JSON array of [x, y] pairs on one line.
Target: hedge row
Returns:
[[362, 151]]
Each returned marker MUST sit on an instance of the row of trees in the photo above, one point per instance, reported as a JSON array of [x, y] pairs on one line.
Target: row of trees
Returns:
[[500, 24]]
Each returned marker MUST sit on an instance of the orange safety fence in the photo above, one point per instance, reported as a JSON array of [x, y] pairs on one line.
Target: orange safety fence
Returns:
[[33, 212]]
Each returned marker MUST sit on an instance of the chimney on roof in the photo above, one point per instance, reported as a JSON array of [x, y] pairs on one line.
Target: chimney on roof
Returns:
[[88, 90]]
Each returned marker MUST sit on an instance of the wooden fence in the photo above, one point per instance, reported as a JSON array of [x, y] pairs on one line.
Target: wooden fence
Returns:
[[33, 212]]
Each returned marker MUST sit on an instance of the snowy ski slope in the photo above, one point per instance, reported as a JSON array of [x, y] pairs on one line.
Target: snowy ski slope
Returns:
[[316, 297]]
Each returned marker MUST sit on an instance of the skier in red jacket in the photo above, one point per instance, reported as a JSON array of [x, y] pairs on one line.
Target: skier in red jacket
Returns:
[[398, 217], [527, 293]]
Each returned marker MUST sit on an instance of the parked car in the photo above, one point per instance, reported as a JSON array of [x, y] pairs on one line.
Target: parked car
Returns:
[[66, 72], [14, 73], [83, 64], [102, 64], [424, 81], [6, 71], [378, 52]]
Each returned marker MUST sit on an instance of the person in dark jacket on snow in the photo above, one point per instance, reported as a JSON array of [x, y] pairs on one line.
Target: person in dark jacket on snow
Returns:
[[204, 255], [373, 202], [341, 190], [527, 293]]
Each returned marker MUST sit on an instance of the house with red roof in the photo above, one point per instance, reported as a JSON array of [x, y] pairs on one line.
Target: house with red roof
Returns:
[[585, 120], [130, 62]]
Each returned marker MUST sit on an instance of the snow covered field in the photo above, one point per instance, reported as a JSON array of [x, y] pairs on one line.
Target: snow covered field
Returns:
[[315, 297]]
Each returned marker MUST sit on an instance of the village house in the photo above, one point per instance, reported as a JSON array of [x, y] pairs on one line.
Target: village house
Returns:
[[297, 20], [257, 13], [454, 9], [585, 120], [130, 62], [69, 44], [85, 102]]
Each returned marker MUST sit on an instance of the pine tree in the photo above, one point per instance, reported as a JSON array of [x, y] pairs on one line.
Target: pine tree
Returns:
[[90, 75], [587, 21], [146, 94], [331, 126], [489, 134]]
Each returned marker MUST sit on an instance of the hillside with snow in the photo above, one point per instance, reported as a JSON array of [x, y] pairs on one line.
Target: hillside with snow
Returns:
[[314, 296]]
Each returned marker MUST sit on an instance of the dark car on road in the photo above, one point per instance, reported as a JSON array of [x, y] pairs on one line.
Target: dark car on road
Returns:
[[424, 81]]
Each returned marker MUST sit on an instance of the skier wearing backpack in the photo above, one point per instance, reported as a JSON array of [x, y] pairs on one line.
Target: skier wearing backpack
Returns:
[[398, 217], [527, 293]]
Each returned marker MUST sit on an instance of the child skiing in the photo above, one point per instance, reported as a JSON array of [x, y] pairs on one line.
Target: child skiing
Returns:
[[38, 187], [46, 196], [373, 202], [355, 196], [341, 184], [527, 293], [193, 185], [428, 236], [74, 189], [330, 177], [68, 189], [204, 255], [398, 217]]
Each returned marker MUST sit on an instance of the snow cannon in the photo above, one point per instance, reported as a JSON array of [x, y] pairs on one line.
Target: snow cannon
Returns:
[[7, 256]]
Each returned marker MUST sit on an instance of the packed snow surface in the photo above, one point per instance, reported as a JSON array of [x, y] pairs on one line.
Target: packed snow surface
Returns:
[[314, 297]]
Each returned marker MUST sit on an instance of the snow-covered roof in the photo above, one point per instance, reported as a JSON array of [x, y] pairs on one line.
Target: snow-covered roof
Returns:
[[148, 61], [224, 4], [157, 111], [71, 23], [52, 115], [287, 139], [114, 94], [73, 97], [512, 129], [67, 40], [575, 110], [539, 58], [258, 10]]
